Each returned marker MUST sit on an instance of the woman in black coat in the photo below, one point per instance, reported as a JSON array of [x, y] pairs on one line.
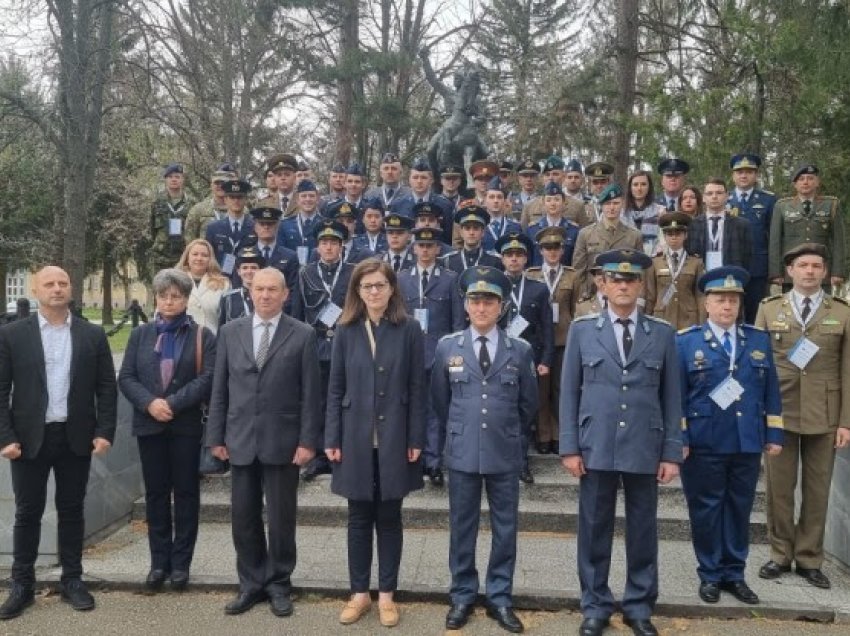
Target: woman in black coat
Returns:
[[375, 428], [159, 377]]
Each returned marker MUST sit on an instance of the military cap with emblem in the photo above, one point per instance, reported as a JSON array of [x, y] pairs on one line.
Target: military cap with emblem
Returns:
[[225, 172], [745, 161], [805, 249], [236, 188], [451, 170], [514, 241], [172, 168], [726, 279], [265, 213], [599, 169], [506, 166], [574, 165], [673, 221], [390, 157], [611, 191], [341, 208], [551, 235], [338, 168], [806, 168], [305, 185], [484, 281], [528, 167], [483, 168], [250, 254], [372, 203], [673, 167], [471, 212], [595, 268], [397, 223], [420, 164], [495, 184], [625, 264], [425, 208], [427, 235], [355, 169], [554, 162], [283, 161], [553, 189], [330, 229]]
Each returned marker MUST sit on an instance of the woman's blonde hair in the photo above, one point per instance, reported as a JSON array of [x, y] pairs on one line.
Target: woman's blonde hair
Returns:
[[215, 279]]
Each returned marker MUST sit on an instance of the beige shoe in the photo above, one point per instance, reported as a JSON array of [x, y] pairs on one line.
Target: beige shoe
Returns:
[[388, 614], [354, 611]]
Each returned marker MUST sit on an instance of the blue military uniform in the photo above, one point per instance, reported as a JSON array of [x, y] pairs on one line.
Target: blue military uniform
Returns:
[[460, 260], [571, 230], [397, 223], [224, 238], [237, 302], [719, 476], [484, 414], [362, 242], [671, 166]]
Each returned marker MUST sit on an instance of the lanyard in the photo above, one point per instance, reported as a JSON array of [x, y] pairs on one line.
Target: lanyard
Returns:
[[475, 264], [180, 205], [798, 310], [715, 241], [501, 233], [420, 285], [518, 299], [329, 288], [674, 273], [300, 223], [384, 194], [248, 311], [371, 337], [553, 286]]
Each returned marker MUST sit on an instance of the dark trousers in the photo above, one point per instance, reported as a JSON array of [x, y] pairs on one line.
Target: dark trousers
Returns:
[[756, 290], [464, 517], [320, 461], [170, 468], [435, 438], [385, 518], [720, 490], [597, 502], [29, 483], [260, 563]]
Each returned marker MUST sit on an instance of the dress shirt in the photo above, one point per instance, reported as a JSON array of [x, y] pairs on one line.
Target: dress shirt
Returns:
[[56, 344], [492, 342], [618, 330], [718, 332], [257, 331], [797, 300]]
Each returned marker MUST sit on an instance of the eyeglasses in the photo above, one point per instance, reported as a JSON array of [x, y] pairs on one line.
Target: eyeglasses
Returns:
[[373, 287]]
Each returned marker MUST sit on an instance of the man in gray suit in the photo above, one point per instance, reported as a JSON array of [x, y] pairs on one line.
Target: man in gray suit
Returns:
[[484, 391], [265, 418], [620, 416]]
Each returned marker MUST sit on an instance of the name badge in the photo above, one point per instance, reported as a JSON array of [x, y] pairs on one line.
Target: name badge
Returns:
[[228, 264], [713, 260], [802, 352], [421, 315], [517, 326], [302, 252], [726, 393], [330, 314], [556, 312], [175, 227], [668, 296]]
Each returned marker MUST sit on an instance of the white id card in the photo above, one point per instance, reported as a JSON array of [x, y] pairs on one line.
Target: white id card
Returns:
[[517, 326], [802, 352], [556, 312], [713, 260], [175, 227], [668, 295], [330, 314], [228, 264], [726, 393], [302, 252], [421, 315]]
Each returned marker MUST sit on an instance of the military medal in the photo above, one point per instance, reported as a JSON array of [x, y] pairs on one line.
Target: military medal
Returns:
[[456, 364], [757, 355]]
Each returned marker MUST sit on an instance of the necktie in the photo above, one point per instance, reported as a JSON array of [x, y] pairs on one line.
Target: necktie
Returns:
[[284, 203], [497, 226], [483, 354], [308, 224], [236, 227], [627, 336], [396, 262], [263, 349], [553, 273], [248, 301], [807, 207], [807, 309], [267, 253], [744, 198], [671, 205], [675, 257], [715, 225], [727, 342], [424, 279], [390, 193]]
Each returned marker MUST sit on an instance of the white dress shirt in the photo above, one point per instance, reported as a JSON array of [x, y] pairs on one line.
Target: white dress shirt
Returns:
[[257, 331], [718, 332], [618, 330], [492, 342], [56, 344]]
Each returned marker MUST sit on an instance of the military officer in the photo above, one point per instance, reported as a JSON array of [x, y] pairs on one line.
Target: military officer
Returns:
[[451, 180], [732, 413], [425, 215], [472, 220], [296, 232], [527, 172], [595, 301], [574, 181], [237, 302], [285, 166], [212, 208], [671, 286], [562, 283], [553, 172], [599, 174], [810, 331], [168, 220], [609, 233], [391, 188], [484, 392], [673, 172], [431, 296], [808, 217], [234, 231], [342, 211], [755, 205], [719, 237], [398, 253], [482, 172], [336, 188], [506, 176], [500, 225], [319, 299], [373, 237], [421, 181], [528, 314], [355, 184], [620, 416], [553, 205], [266, 227]]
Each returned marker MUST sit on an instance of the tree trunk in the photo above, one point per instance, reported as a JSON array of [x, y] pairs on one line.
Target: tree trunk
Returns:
[[4, 271], [106, 313], [349, 45], [627, 55]]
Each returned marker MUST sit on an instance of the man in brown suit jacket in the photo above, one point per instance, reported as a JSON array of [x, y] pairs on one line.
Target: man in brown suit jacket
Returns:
[[810, 332]]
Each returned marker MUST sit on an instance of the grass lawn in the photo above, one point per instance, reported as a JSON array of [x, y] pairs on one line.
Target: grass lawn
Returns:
[[118, 341]]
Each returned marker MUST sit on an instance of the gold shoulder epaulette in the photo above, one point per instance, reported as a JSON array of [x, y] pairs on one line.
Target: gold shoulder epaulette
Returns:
[[770, 298]]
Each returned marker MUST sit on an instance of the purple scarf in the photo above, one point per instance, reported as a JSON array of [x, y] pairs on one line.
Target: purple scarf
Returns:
[[170, 336]]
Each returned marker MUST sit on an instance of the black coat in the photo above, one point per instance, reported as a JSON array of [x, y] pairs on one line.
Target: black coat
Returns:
[[387, 392], [737, 245], [141, 384]]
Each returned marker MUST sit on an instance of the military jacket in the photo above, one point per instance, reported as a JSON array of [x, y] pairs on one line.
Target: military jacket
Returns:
[[530, 299], [758, 210], [200, 216], [315, 293], [459, 260], [234, 304], [492, 234], [597, 238], [588, 305], [224, 241], [563, 294], [573, 210], [572, 229], [685, 305], [791, 226], [168, 221], [295, 232]]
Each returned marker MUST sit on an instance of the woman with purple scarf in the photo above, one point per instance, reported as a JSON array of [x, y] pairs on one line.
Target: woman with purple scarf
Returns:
[[160, 378]]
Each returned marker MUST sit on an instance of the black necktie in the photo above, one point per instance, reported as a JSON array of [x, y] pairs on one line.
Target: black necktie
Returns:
[[671, 205], [715, 225], [807, 207], [807, 309], [390, 193], [627, 336], [236, 227], [396, 262], [744, 198], [483, 354], [247, 295], [267, 252], [284, 203], [424, 279], [675, 257], [553, 273]]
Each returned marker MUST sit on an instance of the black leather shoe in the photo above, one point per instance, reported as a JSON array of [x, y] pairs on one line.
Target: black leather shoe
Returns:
[[244, 601], [525, 476], [436, 477], [155, 579], [281, 604], [458, 615], [592, 626], [506, 618], [814, 577], [554, 448], [641, 626], [19, 599], [773, 570], [319, 465], [179, 580], [542, 448], [74, 593], [709, 591], [741, 591]]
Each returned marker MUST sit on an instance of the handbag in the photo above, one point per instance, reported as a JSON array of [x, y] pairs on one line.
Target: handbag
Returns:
[[208, 464]]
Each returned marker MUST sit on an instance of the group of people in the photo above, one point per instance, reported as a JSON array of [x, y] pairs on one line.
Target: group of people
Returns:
[[395, 333]]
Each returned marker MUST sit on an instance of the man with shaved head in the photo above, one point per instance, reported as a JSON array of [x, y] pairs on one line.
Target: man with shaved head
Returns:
[[58, 400]]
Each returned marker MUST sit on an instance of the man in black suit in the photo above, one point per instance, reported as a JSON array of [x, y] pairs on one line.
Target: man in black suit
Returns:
[[267, 433], [58, 401], [716, 236]]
